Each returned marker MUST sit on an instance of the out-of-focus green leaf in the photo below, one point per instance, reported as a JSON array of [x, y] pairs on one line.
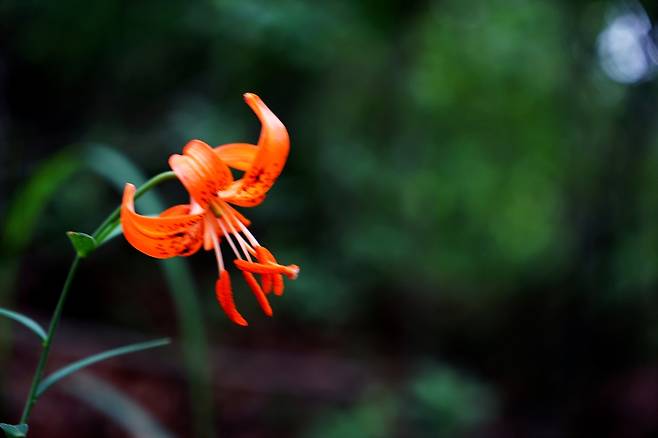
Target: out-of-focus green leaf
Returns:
[[27, 322], [21, 217], [448, 403], [117, 169], [29, 201], [75, 366], [116, 405], [14, 431], [83, 243], [116, 232], [24, 210], [110, 227], [372, 417]]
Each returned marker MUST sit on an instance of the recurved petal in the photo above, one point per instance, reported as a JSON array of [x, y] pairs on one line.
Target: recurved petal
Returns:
[[237, 155], [273, 146], [176, 210], [160, 237], [201, 171]]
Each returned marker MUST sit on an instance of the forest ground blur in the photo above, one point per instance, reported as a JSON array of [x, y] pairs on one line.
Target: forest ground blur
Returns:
[[471, 194]]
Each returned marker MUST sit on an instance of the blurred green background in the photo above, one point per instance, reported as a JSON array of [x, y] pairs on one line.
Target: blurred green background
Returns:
[[471, 194]]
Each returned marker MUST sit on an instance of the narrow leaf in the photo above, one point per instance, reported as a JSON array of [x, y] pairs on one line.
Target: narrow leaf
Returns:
[[20, 218], [83, 363], [116, 405], [29, 201], [27, 322], [115, 232], [14, 431], [83, 243], [181, 288], [118, 169]]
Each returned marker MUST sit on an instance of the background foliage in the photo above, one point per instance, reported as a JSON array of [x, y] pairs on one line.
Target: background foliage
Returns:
[[471, 198]]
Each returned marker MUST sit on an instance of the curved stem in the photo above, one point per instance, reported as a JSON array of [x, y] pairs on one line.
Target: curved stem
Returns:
[[100, 235], [112, 221], [38, 374]]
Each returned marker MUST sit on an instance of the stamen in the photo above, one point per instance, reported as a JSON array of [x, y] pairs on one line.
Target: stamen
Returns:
[[224, 295], [277, 284], [290, 271], [258, 292], [218, 252], [230, 241], [210, 233], [247, 233], [246, 248], [228, 212]]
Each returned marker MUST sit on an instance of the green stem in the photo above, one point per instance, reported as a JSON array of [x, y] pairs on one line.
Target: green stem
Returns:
[[112, 221], [38, 374], [100, 235]]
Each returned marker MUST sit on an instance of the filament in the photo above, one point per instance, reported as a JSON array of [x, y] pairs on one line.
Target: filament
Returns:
[[230, 241], [218, 252]]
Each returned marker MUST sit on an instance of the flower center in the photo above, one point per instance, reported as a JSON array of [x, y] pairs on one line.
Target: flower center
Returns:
[[232, 228], [214, 206]]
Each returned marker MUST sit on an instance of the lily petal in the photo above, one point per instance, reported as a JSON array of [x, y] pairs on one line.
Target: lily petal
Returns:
[[160, 237], [201, 171], [237, 155], [176, 210], [211, 229], [273, 147]]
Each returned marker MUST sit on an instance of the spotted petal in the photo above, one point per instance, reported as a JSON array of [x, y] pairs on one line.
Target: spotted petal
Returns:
[[201, 171], [237, 155], [174, 233], [273, 147]]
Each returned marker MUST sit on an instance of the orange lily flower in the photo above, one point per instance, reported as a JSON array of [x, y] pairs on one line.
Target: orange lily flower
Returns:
[[204, 171]]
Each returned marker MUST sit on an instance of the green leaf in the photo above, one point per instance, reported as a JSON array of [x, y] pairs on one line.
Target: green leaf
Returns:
[[116, 405], [83, 243], [29, 201], [116, 231], [14, 431], [83, 363], [21, 216], [118, 170], [27, 322]]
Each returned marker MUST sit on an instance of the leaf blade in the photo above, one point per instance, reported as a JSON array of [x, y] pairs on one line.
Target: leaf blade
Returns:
[[90, 360], [116, 405], [14, 430], [26, 321], [83, 243], [180, 282], [28, 202]]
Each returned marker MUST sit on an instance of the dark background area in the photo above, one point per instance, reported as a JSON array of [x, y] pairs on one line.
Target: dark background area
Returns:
[[471, 195]]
